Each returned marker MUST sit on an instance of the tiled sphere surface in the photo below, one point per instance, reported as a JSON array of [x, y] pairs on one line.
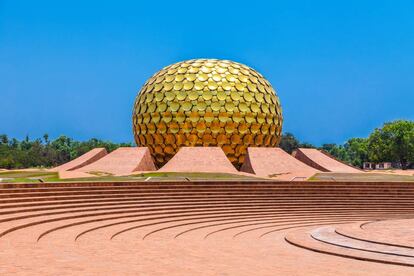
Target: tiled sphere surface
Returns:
[[206, 102]]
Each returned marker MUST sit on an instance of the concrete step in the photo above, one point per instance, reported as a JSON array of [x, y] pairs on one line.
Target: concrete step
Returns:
[[304, 240]]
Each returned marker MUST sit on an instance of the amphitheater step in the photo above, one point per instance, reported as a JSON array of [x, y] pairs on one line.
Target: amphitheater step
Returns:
[[326, 240]]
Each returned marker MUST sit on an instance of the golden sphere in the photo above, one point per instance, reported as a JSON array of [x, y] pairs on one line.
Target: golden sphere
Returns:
[[206, 102]]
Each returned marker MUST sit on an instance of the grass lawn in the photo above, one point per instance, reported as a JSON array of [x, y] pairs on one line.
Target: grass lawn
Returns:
[[45, 176], [25, 174], [31, 176], [28, 176], [361, 177]]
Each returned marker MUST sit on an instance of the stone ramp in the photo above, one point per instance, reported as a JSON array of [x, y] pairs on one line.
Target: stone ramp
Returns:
[[199, 159], [277, 164], [83, 160], [74, 174], [323, 161], [122, 161]]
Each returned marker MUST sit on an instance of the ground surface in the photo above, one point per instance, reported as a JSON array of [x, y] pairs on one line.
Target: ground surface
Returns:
[[371, 176], [39, 175], [394, 171], [32, 175], [207, 228]]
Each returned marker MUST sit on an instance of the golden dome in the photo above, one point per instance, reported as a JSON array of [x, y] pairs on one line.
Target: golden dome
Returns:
[[206, 102]]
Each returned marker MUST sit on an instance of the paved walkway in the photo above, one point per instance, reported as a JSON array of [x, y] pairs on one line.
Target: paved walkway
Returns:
[[202, 228]]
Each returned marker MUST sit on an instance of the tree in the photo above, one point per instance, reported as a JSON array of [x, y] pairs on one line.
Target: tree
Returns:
[[62, 147], [337, 151], [46, 138], [14, 143], [4, 139], [288, 142], [394, 142], [16, 154], [306, 145], [357, 151]]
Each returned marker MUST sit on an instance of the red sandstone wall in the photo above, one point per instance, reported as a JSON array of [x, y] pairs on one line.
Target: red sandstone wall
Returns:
[[302, 157]]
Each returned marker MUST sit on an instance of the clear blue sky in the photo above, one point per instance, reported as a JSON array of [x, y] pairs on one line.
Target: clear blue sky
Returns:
[[341, 68]]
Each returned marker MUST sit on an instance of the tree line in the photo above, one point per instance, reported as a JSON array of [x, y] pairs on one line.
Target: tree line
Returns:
[[15, 154], [393, 142]]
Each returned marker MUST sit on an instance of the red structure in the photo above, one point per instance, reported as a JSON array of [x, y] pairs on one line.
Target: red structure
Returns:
[[83, 160], [323, 161], [276, 164], [199, 159], [122, 161]]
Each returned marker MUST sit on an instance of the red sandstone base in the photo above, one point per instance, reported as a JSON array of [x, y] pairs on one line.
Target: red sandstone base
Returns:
[[199, 159], [322, 161], [83, 160], [122, 161], [275, 163], [74, 174]]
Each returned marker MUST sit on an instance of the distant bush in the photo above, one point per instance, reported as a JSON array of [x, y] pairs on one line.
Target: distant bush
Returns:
[[15, 154], [393, 142]]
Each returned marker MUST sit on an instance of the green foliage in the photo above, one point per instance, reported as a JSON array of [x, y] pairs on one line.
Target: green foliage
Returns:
[[357, 150], [354, 151], [16, 154], [337, 151], [394, 142], [289, 143]]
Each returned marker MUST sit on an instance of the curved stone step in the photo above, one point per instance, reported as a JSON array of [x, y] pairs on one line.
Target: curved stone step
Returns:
[[304, 240]]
